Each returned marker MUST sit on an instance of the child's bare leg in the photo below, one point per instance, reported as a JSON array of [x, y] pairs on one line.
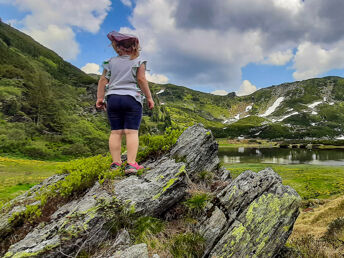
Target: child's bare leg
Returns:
[[132, 139], [115, 142]]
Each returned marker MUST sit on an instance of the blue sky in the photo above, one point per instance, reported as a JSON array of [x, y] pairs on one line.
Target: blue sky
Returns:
[[211, 46]]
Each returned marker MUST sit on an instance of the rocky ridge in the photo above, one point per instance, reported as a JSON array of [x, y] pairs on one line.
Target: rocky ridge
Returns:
[[252, 215]]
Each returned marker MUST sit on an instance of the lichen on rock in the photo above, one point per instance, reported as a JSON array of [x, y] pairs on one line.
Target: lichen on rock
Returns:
[[252, 215]]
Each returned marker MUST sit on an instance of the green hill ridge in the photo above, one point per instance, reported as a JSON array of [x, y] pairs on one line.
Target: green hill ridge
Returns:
[[47, 106]]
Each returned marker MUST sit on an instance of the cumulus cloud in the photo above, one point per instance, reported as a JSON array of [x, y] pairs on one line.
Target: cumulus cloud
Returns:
[[55, 38], [246, 88], [313, 59], [156, 78], [219, 92], [279, 57], [91, 68], [207, 43], [52, 22]]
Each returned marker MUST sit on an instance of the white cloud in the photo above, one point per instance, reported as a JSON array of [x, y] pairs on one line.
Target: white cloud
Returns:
[[156, 78], [279, 57], [219, 92], [91, 68], [48, 19], [312, 59], [61, 40], [294, 6], [127, 3], [203, 43], [246, 88], [193, 57]]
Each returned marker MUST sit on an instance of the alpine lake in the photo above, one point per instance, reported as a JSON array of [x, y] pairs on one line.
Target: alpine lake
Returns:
[[285, 156]]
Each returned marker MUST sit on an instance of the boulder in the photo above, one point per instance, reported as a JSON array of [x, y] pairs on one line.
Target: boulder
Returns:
[[198, 148], [21, 203], [252, 215], [260, 215], [135, 251]]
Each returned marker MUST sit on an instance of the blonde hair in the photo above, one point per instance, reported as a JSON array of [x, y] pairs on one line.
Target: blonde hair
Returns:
[[127, 47]]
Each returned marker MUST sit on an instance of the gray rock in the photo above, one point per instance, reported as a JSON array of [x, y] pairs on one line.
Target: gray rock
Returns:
[[197, 146], [212, 227], [121, 242], [135, 251], [253, 215], [76, 224], [123, 238], [19, 204], [261, 213], [224, 174], [158, 190]]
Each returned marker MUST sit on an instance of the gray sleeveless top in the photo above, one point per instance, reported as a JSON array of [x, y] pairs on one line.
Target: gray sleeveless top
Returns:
[[121, 73]]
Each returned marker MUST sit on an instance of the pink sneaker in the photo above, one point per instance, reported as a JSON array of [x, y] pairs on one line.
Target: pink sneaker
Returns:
[[132, 168], [115, 165]]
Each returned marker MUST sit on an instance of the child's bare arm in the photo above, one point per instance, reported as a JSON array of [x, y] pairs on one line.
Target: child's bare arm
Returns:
[[101, 90], [143, 83]]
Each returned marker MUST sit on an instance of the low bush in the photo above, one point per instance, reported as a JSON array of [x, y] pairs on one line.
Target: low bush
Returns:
[[197, 202], [187, 245], [154, 146], [146, 229]]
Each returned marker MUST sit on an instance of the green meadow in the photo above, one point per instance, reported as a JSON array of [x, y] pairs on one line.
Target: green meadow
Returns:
[[19, 175], [310, 181]]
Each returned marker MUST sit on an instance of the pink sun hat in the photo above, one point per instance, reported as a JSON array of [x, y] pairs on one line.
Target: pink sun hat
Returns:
[[116, 36]]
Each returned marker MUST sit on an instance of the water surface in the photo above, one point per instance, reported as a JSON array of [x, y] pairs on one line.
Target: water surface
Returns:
[[334, 157]]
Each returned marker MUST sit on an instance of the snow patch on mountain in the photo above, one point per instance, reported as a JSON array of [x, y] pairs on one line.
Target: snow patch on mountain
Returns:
[[248, 108], [286, 116], [272, 109], [313, 105]]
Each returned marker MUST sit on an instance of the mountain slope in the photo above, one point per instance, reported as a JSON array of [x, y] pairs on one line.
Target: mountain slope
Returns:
[[47, 104], [312, 108]]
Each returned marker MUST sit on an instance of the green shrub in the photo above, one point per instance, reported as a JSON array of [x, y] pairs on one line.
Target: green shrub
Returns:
[[145, 228], [153, 146], [188, 245], [30, 213], [205, 176], [119, 215], [82, 174], [197, 202], [38, 152]]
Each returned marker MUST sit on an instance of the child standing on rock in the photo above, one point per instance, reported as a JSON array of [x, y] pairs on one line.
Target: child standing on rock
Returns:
[[121, 85]]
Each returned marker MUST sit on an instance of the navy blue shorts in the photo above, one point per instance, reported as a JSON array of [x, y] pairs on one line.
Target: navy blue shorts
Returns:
[[124, 112]]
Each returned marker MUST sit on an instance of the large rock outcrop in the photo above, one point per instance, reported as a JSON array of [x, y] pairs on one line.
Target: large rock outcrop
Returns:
[[252, 216]]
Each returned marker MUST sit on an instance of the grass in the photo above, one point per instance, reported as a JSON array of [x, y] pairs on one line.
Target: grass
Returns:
[[310, 234], [246, 143], [310, 181], [19, 175]]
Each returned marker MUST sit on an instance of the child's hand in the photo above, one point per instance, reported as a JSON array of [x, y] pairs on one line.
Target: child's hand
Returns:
[[100, 104], [150, 103]]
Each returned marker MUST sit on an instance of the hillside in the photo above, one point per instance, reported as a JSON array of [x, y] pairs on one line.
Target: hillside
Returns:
[[311, 109], [47, 105]]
